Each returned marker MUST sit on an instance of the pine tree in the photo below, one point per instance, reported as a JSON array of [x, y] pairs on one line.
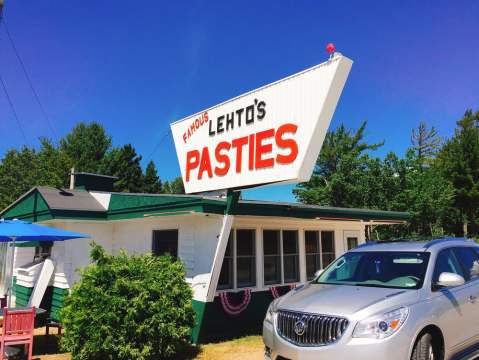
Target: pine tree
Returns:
[[151, 181], [459, 161], [426, 143], [86, 146], [124, 163], [174, 186]]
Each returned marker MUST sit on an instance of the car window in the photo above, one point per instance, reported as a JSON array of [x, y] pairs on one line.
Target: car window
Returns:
[[469, 260], [446, 262], [388, 269]]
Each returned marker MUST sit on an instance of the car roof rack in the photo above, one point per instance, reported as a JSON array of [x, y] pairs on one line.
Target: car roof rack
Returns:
[[375, 242], [444, 239]]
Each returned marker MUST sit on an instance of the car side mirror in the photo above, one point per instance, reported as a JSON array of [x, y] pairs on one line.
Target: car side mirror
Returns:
[[447, 279], [317, 273]]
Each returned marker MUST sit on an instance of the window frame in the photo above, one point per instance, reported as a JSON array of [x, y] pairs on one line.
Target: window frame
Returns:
[[320, 248], [280, 230], [451, 250], [177, 257], [234, 257], [467, 277], [297, 254], [317, 255], [254, 257], [281, 254]]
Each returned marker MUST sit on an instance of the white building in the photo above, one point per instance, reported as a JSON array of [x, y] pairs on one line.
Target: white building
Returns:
[[272, 245]]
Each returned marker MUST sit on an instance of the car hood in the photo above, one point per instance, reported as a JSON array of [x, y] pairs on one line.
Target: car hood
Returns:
[[344, 300]]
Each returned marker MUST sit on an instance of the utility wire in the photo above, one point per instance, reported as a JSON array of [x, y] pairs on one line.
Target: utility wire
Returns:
[[163, 138], [13, 110], [27, 76]]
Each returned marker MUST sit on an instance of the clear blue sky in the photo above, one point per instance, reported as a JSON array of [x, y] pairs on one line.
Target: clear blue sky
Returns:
[[136, 66]]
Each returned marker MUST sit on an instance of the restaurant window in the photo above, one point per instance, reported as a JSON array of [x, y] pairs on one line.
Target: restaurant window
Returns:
[[352, 242], [328, 253], [319, 248], [43, 251], [239, 264], [165, 242], [272, 256], [281, 256], [290, 256], [226, 276], [313, 253]]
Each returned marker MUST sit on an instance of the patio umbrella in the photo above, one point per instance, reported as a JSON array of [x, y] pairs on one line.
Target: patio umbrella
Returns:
[[18, 230]]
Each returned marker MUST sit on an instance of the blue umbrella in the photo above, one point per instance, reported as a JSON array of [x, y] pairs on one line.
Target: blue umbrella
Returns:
[[18, 230]]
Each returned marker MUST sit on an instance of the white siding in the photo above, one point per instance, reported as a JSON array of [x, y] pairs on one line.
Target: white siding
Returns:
[[198, 238]]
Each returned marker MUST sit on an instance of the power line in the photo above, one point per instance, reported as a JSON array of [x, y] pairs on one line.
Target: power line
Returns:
[[13, 110], [163, 138], [29, 80]]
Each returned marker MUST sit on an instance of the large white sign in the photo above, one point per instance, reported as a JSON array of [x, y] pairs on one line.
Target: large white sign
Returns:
[[269, 135]]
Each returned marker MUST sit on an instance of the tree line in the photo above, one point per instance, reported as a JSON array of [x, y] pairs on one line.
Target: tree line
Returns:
[[86, 148], [436, 181]]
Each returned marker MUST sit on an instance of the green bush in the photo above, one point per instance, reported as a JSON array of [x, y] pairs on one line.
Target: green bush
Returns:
[[128, 308]]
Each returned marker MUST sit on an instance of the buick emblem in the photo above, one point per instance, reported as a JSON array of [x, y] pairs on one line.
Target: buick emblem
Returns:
[[300, 327]]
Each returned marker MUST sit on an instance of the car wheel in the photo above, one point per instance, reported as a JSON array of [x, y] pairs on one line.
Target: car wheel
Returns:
[[424, 348]]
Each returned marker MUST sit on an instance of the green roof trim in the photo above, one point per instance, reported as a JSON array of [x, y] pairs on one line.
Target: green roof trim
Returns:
[[32, 206]]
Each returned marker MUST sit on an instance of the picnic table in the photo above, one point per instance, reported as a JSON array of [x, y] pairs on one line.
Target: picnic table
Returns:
[[38, 311]]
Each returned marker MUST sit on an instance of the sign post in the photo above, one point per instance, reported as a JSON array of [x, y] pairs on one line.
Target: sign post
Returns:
[[269, 135]]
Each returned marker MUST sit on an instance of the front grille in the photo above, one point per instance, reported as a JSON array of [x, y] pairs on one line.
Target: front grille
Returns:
[[305, 329]]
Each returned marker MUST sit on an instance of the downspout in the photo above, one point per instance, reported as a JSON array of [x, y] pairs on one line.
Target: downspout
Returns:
[[231, 202]]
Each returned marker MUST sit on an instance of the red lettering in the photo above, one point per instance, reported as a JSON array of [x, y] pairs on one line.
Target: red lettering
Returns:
[[192, 162], [206, 116], [251, 152], [263, 149], [222, 158], [286, 143], [205, 164], [184, 137], [238, 144]]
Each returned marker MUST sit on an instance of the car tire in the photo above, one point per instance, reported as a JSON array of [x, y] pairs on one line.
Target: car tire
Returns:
[[424, 348]]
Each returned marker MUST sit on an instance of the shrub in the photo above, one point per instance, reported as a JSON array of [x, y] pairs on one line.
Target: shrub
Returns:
[[128, 308]]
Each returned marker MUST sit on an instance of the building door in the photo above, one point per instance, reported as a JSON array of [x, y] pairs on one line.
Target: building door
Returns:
[[165, 242], [351, 239]]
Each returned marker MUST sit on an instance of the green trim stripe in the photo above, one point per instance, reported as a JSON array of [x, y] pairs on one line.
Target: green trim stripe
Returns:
[[33, 207]]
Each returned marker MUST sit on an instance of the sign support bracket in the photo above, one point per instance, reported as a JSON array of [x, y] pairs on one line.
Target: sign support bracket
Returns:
[[232, 198]]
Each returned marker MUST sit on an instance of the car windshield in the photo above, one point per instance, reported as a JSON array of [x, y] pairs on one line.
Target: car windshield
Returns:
[[389, 269]]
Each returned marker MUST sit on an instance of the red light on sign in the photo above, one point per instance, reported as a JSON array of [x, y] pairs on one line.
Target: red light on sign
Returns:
[[330, 48]]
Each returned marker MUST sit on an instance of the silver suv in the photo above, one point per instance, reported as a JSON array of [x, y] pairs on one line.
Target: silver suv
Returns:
[[394, 301]]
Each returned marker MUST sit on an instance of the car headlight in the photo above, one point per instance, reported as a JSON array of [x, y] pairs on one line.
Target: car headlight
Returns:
[[270, 312], [381, 326]]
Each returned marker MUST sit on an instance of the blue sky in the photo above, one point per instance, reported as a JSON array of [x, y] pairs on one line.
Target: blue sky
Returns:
[[136, 66]]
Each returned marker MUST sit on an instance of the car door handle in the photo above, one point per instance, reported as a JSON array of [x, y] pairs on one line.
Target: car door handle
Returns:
[[472, 299]]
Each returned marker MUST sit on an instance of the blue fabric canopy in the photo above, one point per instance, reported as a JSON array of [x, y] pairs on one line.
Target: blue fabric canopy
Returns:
[[19, 230]]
